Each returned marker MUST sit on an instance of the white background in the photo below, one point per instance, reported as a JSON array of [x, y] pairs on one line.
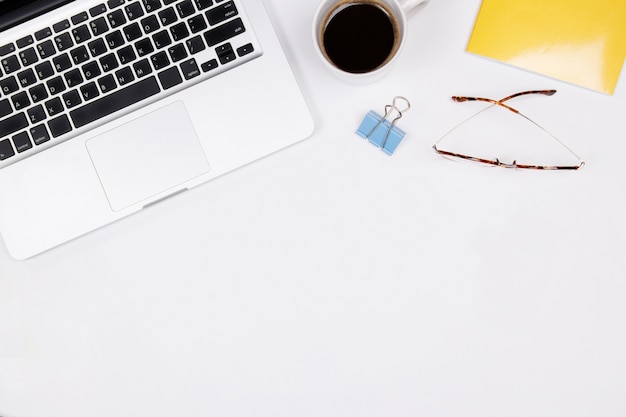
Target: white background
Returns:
[[333, 280]]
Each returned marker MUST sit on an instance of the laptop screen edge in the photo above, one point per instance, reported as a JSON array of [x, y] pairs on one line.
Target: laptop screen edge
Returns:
[[14, 12]]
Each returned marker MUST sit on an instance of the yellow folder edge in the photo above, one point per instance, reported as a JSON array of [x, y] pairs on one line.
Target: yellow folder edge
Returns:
[[580, 42]]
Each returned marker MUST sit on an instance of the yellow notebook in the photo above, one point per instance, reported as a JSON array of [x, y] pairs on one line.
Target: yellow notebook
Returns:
[[581, 42]]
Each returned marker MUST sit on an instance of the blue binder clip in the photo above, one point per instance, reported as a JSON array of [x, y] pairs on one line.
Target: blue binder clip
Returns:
[[380, 131]]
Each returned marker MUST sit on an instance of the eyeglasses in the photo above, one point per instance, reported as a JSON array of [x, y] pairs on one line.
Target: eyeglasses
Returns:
[[495, 161]]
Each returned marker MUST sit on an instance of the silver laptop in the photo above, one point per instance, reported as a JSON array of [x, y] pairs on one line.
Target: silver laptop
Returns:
[[107, 107]]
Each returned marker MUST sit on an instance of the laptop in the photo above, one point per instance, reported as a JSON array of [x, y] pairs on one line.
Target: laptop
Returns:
[[110, 106]]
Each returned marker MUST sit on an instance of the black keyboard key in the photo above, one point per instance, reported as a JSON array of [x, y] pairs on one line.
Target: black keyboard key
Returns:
[[197, 24], [151, 5], [221, 13], [190, 69], [203, 4], [132, 32], [39, 134], [38, 93], [44, 70], [245, 50], [20, 101], [80, 18], [126, 55], [56, 85], [5, 108], [6, 150], [144, 47], [22, 142], [98, 26], [185, 9], [13, 124], [177, 52], [167, 16], [71, 99], [61, 26], [46, 49], [25, 41], [195, 45], [10, 64], [115, 39], [8, 86], [97, 47], [167, 2], [134, 11], [116, 18], [142, 68], [79, 55], [225, 58], [225, 53], [150, 24], [81, 34], [114, 3], [26, 78], [209, 65], [63, 41], [124, 76], [109, 62], [7, 49], [170, 78], [73, 78], [91, 70], [43, 33], [224, 32], [62, 62], [97, 10], [54, 106], [160, 60], [115, 101], [36, 114], [89, 91], [28, 56], [59, 126], [179, 31], [161, 39], [107, 83]]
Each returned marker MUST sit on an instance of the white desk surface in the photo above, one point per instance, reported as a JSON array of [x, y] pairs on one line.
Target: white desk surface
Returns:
[[331, 280]]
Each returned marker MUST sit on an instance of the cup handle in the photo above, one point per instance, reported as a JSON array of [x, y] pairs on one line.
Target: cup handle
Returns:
[[409, 5]]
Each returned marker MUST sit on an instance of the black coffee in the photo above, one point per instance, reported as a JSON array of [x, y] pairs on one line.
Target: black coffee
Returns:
[[359, 38]]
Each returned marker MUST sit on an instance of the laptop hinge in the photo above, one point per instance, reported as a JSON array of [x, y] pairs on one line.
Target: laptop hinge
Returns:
[[14, 12]]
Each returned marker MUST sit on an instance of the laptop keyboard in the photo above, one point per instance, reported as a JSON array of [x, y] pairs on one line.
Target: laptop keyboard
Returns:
[[108, 60]]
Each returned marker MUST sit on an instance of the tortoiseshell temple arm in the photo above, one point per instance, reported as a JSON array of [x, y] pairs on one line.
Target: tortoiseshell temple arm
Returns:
[[461, 99], [543, 92], [514, 164]]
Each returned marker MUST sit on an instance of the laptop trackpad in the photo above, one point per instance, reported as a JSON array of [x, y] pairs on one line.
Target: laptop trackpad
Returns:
[[143, 158]]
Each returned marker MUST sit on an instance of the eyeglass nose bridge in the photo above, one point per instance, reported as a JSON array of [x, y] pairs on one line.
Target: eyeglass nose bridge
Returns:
[[512, 165]]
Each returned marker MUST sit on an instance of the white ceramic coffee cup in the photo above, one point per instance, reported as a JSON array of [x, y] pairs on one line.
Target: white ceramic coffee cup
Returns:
[[327, 9]]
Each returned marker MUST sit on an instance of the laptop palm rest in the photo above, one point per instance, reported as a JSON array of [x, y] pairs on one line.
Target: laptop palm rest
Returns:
[[142, 159]]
